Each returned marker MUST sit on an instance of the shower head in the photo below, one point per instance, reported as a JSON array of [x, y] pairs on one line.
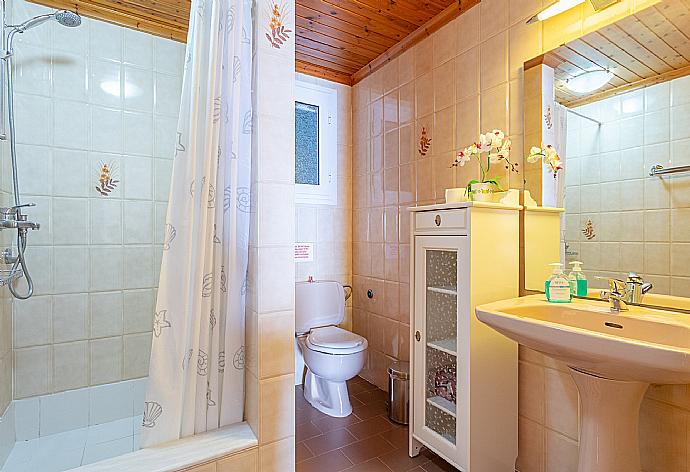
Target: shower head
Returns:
[[64, 17], [67, 18]]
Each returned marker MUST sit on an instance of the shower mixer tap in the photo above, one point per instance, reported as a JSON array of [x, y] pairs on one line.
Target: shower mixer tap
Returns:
[[12, 217]]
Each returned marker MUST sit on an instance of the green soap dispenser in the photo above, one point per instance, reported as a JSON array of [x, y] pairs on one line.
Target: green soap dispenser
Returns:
[[578, 280], [557, 287]]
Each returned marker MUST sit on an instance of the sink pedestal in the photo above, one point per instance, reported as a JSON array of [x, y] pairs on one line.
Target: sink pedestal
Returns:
[[610, 415]]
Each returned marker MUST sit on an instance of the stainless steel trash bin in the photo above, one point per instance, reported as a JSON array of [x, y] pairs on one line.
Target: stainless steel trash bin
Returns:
[[399, 392]]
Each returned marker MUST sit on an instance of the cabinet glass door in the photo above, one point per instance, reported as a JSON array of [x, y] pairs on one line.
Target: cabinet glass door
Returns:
[[441, 365]]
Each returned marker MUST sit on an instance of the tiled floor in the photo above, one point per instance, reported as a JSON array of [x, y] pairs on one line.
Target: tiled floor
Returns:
[[363, 442], [64, 451]]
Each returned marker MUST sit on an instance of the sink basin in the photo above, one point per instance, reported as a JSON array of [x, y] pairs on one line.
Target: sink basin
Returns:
[[641, 344], [613, 357]]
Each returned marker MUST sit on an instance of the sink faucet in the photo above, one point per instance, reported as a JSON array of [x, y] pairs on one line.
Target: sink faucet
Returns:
[[617, 295], [621, 293]]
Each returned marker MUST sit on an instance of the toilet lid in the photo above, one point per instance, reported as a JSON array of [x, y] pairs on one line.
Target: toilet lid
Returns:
[[334, 340]]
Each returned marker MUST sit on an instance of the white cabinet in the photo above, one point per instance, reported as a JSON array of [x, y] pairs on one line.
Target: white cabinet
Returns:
[[464, 374]]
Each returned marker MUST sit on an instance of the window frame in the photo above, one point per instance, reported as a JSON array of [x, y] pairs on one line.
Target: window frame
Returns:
[[326, 192]]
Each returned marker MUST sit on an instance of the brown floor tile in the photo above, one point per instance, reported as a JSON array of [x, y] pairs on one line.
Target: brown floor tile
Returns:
[[438, 465], [400, 461], [333, 461], [366, 449], [370, 427], [371, 397], [373, 465], [369, 411], [330, 423], [330, 441], [359, 387], [398, 436], [302, 452], [305, 431]]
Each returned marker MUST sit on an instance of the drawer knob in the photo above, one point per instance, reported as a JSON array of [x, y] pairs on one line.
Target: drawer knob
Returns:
[[370, 293], [437, 220]]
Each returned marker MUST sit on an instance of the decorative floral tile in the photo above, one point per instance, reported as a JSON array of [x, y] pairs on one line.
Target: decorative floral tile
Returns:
[[108, 179], [277, 32]]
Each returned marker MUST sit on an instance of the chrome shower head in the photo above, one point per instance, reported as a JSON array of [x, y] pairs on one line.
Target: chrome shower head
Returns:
[[64, 17], [67, 18]]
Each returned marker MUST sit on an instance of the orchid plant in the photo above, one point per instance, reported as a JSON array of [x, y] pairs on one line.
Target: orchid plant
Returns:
[[548, 155], [497, 149]]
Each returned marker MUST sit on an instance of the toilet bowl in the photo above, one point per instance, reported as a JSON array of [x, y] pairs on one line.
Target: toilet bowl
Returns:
[[332, 355]]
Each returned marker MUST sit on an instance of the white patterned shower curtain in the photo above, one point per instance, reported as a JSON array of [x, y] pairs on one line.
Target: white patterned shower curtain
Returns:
[[196, 375]]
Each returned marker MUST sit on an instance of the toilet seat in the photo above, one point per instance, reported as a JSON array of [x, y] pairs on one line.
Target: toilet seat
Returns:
[[334, 340]]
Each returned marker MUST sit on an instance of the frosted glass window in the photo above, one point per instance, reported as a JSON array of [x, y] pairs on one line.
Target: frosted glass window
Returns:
[[306, 144]]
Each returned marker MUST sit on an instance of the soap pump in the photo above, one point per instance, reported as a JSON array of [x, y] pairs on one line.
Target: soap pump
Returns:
[[578, 280], [557, 287]]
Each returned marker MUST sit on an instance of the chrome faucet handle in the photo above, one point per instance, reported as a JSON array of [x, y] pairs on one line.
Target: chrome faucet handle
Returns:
[[616, 295]]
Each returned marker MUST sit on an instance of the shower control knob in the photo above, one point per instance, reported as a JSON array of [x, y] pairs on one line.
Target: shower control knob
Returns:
[[418, 336]]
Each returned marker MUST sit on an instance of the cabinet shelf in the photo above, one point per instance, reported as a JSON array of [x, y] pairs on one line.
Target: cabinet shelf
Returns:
[[449, 346], [442, 404], [450, 290]]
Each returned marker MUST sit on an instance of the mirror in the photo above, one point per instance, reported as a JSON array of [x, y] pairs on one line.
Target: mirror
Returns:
[[616, 106]]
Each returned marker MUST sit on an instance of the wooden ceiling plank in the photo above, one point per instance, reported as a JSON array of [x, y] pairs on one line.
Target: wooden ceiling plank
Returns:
[[413, 12], [634, 49], [599, 49], [664, 27], [299, 55], [352, 48], [597, 60], [366, 23], [320, 18], [327, 56], [365, 11], [337, 35], [332, 50], [322, 72], [652, 41]]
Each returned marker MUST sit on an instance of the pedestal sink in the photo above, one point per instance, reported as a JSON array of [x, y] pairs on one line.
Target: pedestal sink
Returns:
[[612, 357]]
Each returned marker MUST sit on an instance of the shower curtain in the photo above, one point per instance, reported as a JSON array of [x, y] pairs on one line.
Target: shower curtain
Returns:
[[196, 375]]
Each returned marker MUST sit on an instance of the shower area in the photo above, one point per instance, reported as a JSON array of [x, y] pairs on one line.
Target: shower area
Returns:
[[95, 113]]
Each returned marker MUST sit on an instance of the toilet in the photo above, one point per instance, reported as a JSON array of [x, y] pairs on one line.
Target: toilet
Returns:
[[332, 355]]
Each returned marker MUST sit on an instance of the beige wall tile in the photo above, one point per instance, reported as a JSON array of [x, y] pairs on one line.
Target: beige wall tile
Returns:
[[32, 371], [530, 446], [137, 353], [203, 468], [561, 453], [277, 344], [105, 360], [277, 456], [71, 365], [244, 461], [276, 408]]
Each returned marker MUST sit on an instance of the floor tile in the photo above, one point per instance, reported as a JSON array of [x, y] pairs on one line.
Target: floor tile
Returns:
[[328, 441], [330, 423], [373, 465], [333, 461], [302, 452], [399, 460], [370, 427], [306, 430], [366, 449]]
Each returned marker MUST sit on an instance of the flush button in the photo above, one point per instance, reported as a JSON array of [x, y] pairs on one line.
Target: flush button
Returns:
[[437, 220]]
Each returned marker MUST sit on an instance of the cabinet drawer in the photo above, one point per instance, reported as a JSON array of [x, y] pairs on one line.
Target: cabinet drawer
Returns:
[[443, 219]]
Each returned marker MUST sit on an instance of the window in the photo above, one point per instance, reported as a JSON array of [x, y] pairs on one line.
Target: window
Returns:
[[316, 150]]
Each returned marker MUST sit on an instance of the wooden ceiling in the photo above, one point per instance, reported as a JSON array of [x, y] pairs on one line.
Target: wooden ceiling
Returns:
[[649, 47], [337, 38], [334, 39]]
